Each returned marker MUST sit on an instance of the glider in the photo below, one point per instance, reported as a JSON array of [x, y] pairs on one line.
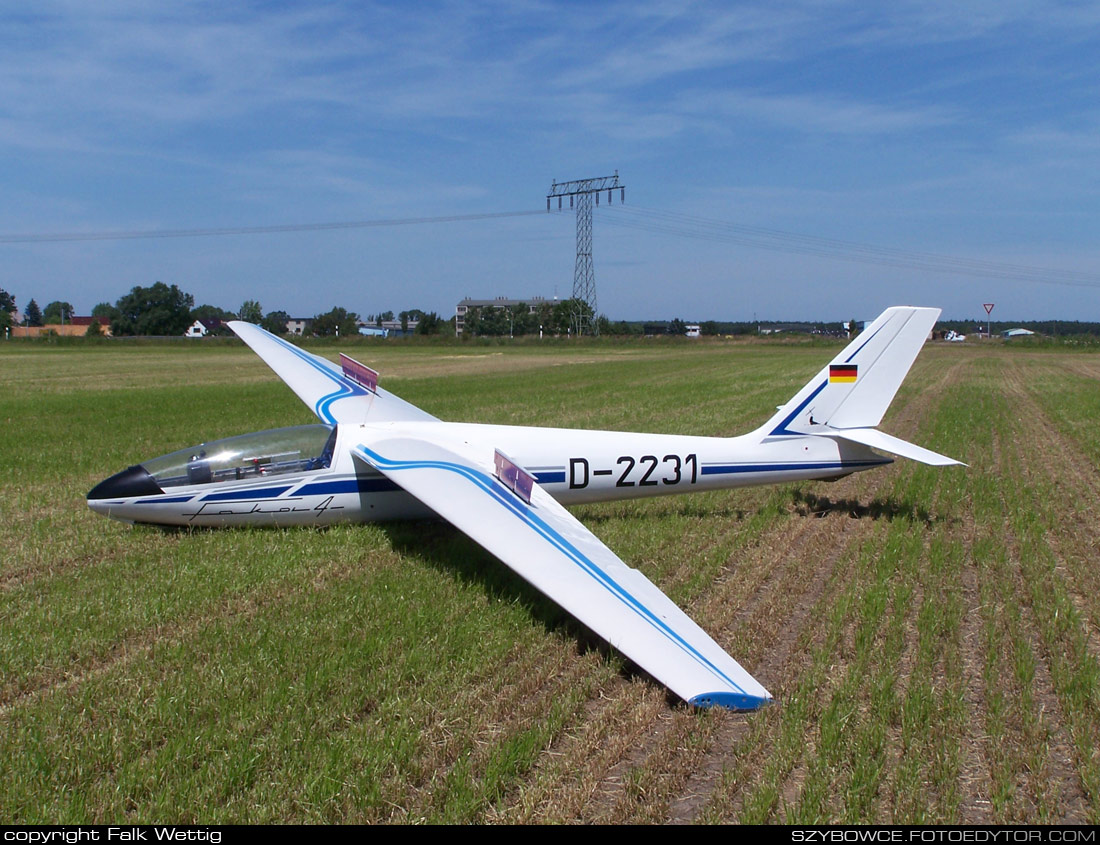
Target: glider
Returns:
[[376, 457]]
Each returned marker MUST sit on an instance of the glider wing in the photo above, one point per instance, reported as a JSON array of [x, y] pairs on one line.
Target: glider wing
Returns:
[[549, 548], [336, 394]]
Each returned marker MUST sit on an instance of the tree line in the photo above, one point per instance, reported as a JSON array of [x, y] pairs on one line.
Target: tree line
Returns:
[[166, 310], [556, 318]]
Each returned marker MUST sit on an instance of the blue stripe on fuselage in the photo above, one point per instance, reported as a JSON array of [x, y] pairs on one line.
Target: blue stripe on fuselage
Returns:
[[347, 485], [726, 469], [244, 495]]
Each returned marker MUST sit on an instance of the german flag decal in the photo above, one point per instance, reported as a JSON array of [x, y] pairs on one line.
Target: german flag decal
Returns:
[[842, 373]]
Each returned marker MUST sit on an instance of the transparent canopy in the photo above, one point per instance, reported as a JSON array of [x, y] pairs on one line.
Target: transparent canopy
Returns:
[[301, 448]]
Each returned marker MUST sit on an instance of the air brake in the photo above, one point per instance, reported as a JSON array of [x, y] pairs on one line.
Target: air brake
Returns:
[[361, 374]]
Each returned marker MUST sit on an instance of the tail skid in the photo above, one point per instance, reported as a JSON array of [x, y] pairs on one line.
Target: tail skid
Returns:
[[849, 397]]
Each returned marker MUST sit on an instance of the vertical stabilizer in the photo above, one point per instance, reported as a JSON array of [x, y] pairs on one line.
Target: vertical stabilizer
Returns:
[[859, 384]]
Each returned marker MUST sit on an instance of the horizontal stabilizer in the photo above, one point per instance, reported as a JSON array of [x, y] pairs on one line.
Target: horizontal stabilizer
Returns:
[[894, 445]]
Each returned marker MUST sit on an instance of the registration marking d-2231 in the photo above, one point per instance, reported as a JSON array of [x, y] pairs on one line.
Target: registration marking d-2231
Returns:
[[645, 471]]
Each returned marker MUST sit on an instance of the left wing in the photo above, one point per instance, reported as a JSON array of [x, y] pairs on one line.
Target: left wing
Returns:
[[548, 547], [326, 388]]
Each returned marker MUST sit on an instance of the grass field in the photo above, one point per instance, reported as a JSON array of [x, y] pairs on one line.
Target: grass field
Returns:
[[932, 637]]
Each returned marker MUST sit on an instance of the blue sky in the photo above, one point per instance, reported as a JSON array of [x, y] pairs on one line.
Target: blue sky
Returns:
[[963, 130]]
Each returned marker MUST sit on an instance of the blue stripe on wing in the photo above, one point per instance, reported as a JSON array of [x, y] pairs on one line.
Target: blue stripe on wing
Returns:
[[527, 514], [345, 387]]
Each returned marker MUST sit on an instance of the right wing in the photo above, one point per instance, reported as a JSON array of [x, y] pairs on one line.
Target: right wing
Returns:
[[322, 385], [544, 544]]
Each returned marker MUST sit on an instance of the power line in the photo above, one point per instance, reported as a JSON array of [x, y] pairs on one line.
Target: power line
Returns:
[[648, 220], [778, 240], [53, 237]]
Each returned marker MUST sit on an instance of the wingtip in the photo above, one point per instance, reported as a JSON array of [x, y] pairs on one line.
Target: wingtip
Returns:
[[729, 701]]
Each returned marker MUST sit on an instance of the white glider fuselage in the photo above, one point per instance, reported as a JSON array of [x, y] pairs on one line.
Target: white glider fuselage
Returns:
[[573, 465]]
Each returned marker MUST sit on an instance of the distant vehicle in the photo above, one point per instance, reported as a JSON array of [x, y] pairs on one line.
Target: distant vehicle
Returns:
[[954, 337], [376, 457]]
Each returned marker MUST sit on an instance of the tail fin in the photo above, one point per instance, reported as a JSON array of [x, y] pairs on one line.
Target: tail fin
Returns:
[[849, 397]]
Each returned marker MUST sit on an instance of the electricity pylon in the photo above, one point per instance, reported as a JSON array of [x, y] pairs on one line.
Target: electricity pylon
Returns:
[[580, 193]]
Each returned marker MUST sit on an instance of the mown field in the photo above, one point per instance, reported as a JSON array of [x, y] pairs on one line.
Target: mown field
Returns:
[[931, 636]]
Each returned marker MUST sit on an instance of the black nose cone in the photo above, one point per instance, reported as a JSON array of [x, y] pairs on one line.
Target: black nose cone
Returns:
[[134, 481]]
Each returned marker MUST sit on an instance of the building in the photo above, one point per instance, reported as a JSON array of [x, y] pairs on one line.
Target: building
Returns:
[[76, 327], [299, 325], [201, 328], [533, 304]]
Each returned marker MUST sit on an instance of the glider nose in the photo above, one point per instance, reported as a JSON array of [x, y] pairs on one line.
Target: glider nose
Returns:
[[135, 481]]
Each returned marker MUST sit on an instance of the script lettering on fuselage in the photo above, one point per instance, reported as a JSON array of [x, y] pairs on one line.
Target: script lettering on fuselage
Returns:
[[266, 506], [646, 471]]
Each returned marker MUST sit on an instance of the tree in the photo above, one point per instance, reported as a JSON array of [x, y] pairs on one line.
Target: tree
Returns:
[[523, 321], [563, 320], [7, 309], [430, 323], [211, 312], [155, 310], [57, 312], [338, 321], [471, 321], [105, 309], [251, 312], [94, 329], [385, 315], [275, 322], [33, 314], [486, 322], [677, 327]]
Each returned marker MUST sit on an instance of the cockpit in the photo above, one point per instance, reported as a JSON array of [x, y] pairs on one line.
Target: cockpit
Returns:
[[301, 448], [280, 451]]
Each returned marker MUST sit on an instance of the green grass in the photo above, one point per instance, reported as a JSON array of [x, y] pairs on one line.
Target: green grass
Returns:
[[930, 635]]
